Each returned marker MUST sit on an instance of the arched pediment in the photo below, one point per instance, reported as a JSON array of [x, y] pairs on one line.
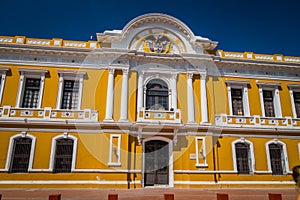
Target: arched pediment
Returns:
[[156, 33]]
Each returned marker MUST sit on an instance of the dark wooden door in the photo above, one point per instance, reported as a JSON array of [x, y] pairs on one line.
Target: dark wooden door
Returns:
[[156, 163]]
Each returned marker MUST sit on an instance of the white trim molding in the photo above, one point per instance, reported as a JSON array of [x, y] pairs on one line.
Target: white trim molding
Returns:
[[171, 170], [284, 156], [251, 157], [53, 149], [274, 87], [115, 150], [70, 75], [30, 73], [11, 146], [110, 96], [238, 85], [200, 152], [3, 72]]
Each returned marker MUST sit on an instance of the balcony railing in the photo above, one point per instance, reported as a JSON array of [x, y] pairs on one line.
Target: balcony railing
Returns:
[[256, 120], [163, 116], [47, 113]]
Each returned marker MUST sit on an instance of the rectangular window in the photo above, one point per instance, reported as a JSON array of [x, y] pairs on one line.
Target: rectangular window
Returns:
[[200, 152], [242, 158], [63, 156], [31, 93], [20, 155], [70, 94], [268, 103], [115, 150], [237, 101], [297, 103]]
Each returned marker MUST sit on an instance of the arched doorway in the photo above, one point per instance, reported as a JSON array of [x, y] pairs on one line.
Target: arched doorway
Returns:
[[156, 163]]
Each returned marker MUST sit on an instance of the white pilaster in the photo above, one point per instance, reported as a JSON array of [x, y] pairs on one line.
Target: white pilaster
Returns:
[[204, 111], [262, 106], [41, 92], [229, 99], [277, 103], [140, 91], [246, 101], [174, 91], [110, 96], [124, 96], [190, 98]]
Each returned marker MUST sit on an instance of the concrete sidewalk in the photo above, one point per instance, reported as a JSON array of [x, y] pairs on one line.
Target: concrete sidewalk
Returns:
[[145, 194]]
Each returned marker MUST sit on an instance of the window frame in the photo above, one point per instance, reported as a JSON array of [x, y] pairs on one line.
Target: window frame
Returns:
[[293, 88], [203, 149], [11, 147], [251, 155], [30, 73], [118, 163], [74, 76], [243, 85], [274, 87], [53, 150], [285, 167]]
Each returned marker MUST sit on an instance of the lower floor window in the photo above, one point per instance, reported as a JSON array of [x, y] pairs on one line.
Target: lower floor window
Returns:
[[20, 155], [242, 158], [276, 159], [63, 156]]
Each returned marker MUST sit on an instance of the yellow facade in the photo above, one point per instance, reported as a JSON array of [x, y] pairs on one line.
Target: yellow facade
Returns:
[[161, 117]]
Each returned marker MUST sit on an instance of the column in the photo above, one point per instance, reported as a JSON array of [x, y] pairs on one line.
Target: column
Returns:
[[262, 106], [110, 96], [124, 96], [190, 97], [229, 99], [203, 98], [174, 91], [140, 91]]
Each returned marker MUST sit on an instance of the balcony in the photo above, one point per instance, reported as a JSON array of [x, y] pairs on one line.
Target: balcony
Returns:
[[256, 121], [159, 116], [47, 113]]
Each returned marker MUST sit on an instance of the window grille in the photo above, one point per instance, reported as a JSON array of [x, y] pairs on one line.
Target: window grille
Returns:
[[157, 95], [242, 158], [297, 103], [268, 103], [31, 93], [70, 94], [20, 155], [237, 102], [276, 159], [63, 156]]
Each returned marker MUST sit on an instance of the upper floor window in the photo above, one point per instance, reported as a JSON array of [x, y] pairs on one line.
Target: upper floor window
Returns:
[[31, 88], [70, 89], [3, 72], [269, 99], [20, 154], [277, 157], [243, 156], [238, 97], [63, 154], [157, 95], [295, 99]]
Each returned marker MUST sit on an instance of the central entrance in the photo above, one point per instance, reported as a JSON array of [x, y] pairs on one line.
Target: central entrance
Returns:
[[156, 166]]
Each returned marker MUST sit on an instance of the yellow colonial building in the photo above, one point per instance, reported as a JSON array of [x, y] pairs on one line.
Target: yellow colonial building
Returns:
[[149, 105]]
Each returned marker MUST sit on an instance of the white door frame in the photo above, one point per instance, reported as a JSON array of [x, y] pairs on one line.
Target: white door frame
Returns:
[[171, 171]]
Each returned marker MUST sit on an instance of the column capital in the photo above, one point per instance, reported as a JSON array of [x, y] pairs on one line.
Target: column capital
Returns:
[[174, 75], [125, 71], [111, 70], [203, 76], [190, 75]]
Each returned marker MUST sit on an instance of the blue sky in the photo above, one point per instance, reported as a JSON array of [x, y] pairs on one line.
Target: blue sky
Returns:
[[260, 26]]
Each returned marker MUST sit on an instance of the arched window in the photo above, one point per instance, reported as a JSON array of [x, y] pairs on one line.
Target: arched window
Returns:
[[63, 153], [20, 155], [157, 95], [63, 156], [277, 157], [242, 158], [243, 155]]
